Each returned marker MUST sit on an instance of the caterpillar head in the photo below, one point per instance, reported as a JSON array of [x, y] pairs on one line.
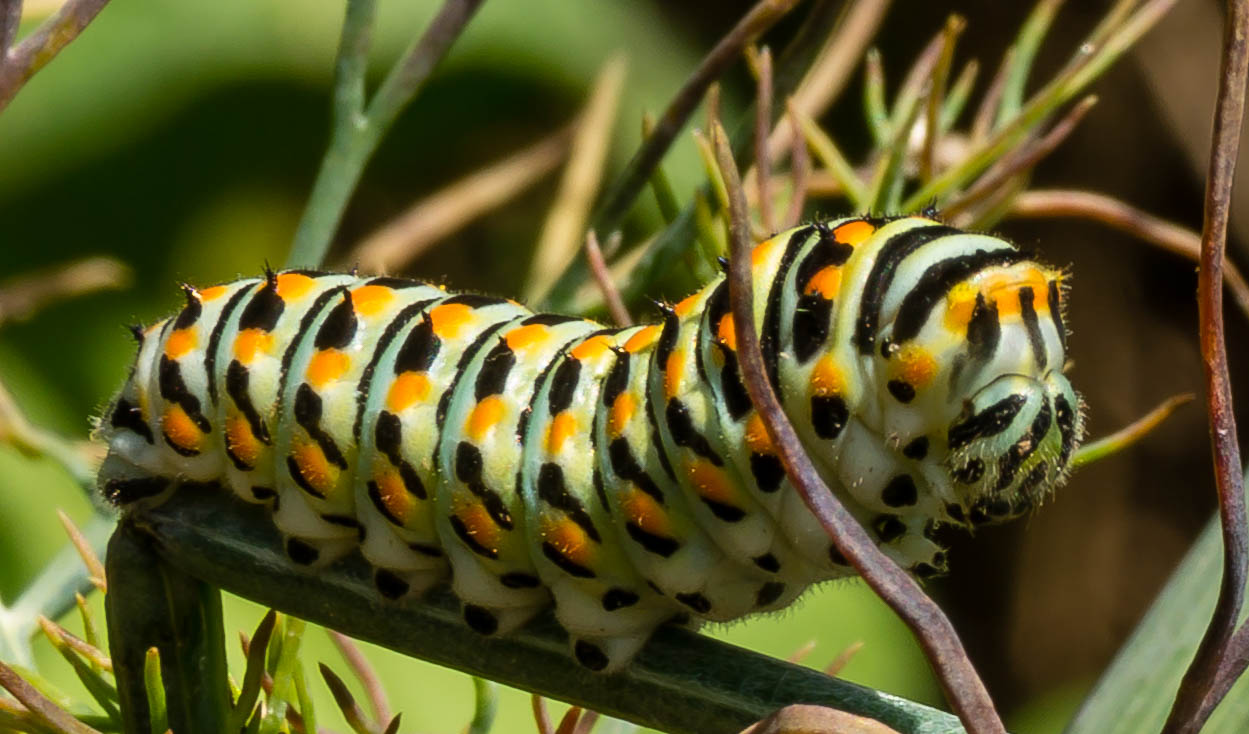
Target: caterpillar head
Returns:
[[1012, 443]]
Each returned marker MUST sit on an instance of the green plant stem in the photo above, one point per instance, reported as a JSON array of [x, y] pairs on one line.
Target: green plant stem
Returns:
[[358, 130], [1058, 92], [664, 251], [153, 604], [485, 705], [51, 594], [682, 682]]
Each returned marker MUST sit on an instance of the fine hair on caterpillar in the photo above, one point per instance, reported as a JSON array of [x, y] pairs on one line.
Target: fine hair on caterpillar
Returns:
[[621, 474]]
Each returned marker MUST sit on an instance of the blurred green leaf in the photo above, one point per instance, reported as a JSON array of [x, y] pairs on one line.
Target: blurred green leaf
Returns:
[[1135, 693]]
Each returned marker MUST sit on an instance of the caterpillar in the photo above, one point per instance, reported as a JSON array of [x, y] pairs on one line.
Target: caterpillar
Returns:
[[621, 474]]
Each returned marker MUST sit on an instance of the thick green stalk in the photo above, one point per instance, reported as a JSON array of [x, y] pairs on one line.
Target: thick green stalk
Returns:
[[153, 604], [681, 682]]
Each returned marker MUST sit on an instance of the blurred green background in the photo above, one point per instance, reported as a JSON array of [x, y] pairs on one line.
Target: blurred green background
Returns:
[[182, 137]]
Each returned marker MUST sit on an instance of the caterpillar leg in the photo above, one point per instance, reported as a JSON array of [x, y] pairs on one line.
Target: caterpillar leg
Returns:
[[608, 654], [311, 540]]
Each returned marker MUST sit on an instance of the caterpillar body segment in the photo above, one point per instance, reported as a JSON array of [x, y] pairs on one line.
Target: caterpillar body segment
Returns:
[[620, 474]]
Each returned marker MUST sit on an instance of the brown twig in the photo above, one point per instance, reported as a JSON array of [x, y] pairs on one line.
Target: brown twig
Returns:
[[93, 654], [586, 721], [364, 672], [986, 113], [561, 232], [837, 664], [963, 688], [1231, 667], [22, 296], [936, 96], [19, 63], [763, 125], [602, 277], [831, 70], [346, 703], [10, 19], [1021, 160], [1127, 218], [619, 198], [403, 239], [540, 715], [40, 707], [95, 568], [800, 718], [1193, 702], [800, 173]]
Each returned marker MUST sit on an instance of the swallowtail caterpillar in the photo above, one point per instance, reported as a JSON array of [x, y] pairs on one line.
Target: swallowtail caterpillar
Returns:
[[618, 473]]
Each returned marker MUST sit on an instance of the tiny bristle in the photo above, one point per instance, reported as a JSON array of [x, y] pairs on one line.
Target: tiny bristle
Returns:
[[271, 276], [724, 263], [137, 332], [188, 290]]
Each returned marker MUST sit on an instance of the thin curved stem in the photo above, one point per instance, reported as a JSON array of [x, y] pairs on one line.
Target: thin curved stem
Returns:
[[357, 128], [1193, 702], [19, 63]]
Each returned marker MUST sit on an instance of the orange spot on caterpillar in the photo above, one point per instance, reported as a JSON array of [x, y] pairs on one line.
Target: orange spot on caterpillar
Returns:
[[643, 339], [561, 428], [568, 539], [826, 378], [293, 286], [484, 417], [399, 503], [314, 467], [960, 304], [757, 436], [326, 366], [180, 429], [645, 512], [249, 342], [180, 342], [449, 318], [622, 410], [826, 282], [408, 388], [673, 373], [762, 252], [712, 483], [687, 305], [524, 337], [592, 348], [477, 521], [242, 442], [725, 332], [213, 293], [853, 233], [369, 300], [916, 365]]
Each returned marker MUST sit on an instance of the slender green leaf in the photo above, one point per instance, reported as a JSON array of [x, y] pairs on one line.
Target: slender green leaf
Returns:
[[681, 682], [1135, 693]]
